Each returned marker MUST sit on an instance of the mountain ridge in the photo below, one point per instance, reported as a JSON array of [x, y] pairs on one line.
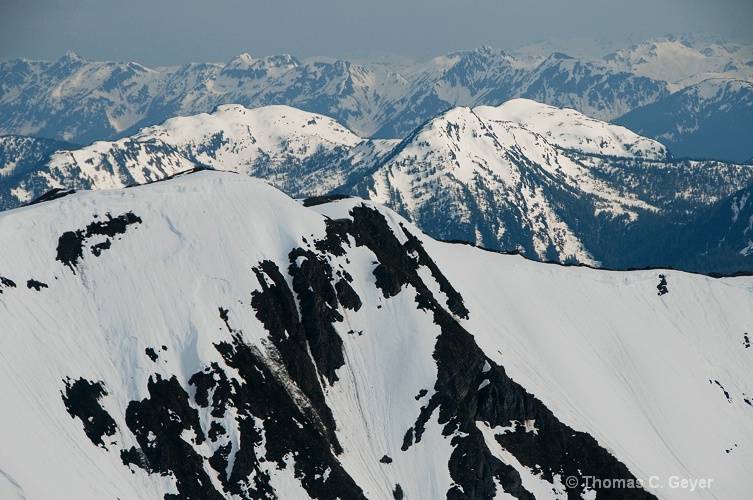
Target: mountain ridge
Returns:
[[373, 99], [550, 182], [245, 298]]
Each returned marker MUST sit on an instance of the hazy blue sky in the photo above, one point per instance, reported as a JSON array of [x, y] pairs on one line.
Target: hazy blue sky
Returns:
[[169, 32]]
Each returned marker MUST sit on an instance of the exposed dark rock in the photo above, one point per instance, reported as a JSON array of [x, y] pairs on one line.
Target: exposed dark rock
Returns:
[[212, 379], [111, 226], [553, 448], [224, 317], [52, 194], [158, 423], [99, 247], [70, 244], [321, 200], [395, 267], [276, 308], [407, 439], [219, 461], [397, 263], [215, 431], [81, 399], [388, 281], [312, 282], [336, 237], [192, 170], [474, 468], [69, 248], [543, 443], [277, 399], [726, 394], [288, 426], [36, 285], [454, 299], [397, 493], [347, 296], [7, 283], [662, 286], [134, 456]]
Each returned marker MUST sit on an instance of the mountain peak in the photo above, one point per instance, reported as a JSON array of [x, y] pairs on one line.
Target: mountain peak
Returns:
[[487, 50], [559, 56], [570, 129], [300, 350], [70, 57], [241, 61]]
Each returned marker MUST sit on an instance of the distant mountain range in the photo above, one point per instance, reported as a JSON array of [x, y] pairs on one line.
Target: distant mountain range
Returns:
[[700, 92], [550, 183]]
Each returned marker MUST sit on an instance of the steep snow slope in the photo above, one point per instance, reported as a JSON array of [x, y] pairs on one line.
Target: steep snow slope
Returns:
[[664, 390], [208, 336]]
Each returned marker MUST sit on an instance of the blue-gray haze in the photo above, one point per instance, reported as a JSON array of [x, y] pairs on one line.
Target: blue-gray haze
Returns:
[[171, 32]]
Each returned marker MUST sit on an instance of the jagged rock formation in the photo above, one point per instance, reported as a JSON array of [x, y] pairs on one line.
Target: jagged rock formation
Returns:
[[234, 343]]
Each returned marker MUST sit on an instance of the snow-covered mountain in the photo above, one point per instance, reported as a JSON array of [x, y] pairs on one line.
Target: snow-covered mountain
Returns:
[[682, 62], [590, 87], [209, 337], [549, 182], [566, 128], [303, 153], [84, 101], [73, 99], [523, 176]]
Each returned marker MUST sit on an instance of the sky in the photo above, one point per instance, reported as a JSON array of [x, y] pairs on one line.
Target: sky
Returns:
[[172, 32]]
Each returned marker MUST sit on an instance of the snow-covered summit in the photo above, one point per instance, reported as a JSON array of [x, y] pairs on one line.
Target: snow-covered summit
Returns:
[[569, 129], [506, 171], [266, 128], [681, 62], [207, 336], [301, 152]]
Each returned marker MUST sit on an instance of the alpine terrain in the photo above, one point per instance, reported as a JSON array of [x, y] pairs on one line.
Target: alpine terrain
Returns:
[[523, 176], [693, 94], [209, 337]]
